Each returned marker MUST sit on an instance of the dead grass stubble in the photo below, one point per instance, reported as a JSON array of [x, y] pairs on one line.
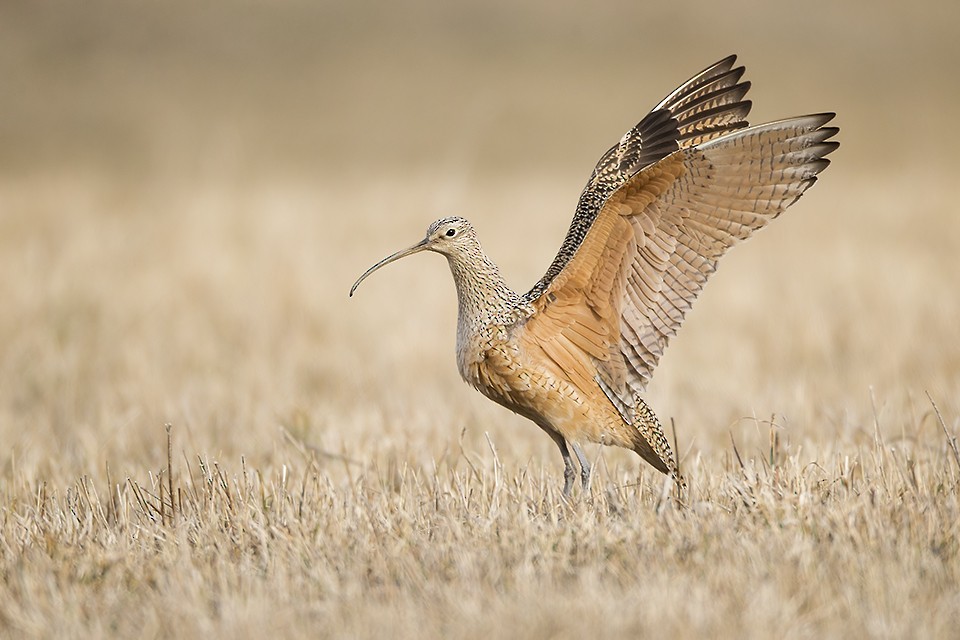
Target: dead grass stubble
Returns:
[[768, 546]]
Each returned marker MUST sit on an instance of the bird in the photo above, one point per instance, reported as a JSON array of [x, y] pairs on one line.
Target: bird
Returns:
[[575, 353]]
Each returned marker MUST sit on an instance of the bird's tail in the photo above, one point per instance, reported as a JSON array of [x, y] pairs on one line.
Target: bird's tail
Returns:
[[652, 445]]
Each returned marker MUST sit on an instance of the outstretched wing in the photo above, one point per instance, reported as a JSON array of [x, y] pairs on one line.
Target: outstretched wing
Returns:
[[612, 308], [704, 107]]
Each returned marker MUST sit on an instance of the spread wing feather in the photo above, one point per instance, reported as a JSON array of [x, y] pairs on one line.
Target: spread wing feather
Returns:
[[704, 107], [657, 237]]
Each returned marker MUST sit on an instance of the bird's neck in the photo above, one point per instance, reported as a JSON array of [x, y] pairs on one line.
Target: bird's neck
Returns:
[[484, 298]]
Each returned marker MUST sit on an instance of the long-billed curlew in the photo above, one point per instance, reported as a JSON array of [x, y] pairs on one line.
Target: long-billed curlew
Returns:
[[575, 353]]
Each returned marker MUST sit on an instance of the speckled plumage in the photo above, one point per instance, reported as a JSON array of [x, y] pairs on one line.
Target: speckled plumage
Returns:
[[575, 353]]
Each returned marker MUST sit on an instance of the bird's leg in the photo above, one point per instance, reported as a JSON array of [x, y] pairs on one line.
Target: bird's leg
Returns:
[[584, 467], [568, 470]]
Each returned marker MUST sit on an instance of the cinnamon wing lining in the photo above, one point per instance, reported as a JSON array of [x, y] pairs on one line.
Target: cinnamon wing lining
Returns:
[[611, 310], [577, 324]]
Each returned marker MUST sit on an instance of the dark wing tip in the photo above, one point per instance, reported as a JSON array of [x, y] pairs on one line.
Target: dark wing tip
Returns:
[[824, 118], [722, 67], [728, 61], [818, 165], [828, 147], [823, 134]]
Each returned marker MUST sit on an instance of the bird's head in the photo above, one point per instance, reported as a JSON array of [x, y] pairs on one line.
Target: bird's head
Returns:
[[451, 237]]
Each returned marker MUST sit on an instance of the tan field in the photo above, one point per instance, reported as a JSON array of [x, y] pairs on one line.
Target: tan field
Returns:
[[187, 192]]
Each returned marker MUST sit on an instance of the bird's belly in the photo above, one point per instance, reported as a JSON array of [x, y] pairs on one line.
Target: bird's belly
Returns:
[[530, 389]]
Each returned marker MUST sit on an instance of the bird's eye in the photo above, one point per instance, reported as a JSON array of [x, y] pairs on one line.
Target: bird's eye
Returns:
[[451, 232]]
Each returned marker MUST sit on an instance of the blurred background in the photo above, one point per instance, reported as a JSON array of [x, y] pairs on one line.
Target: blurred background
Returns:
[[187, 191]]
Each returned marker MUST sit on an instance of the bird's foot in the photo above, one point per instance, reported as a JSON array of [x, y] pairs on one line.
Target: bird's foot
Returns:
[[568, 475]]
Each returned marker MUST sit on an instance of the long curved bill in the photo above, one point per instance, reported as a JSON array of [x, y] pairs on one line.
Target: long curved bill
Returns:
[[420, 246]]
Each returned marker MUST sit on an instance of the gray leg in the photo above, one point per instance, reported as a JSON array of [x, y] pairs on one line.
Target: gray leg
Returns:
[[568, 470], [584, 467]]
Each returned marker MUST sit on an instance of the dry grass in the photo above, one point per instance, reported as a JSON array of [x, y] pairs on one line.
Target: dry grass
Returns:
[[186, 196], [467, 548]]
